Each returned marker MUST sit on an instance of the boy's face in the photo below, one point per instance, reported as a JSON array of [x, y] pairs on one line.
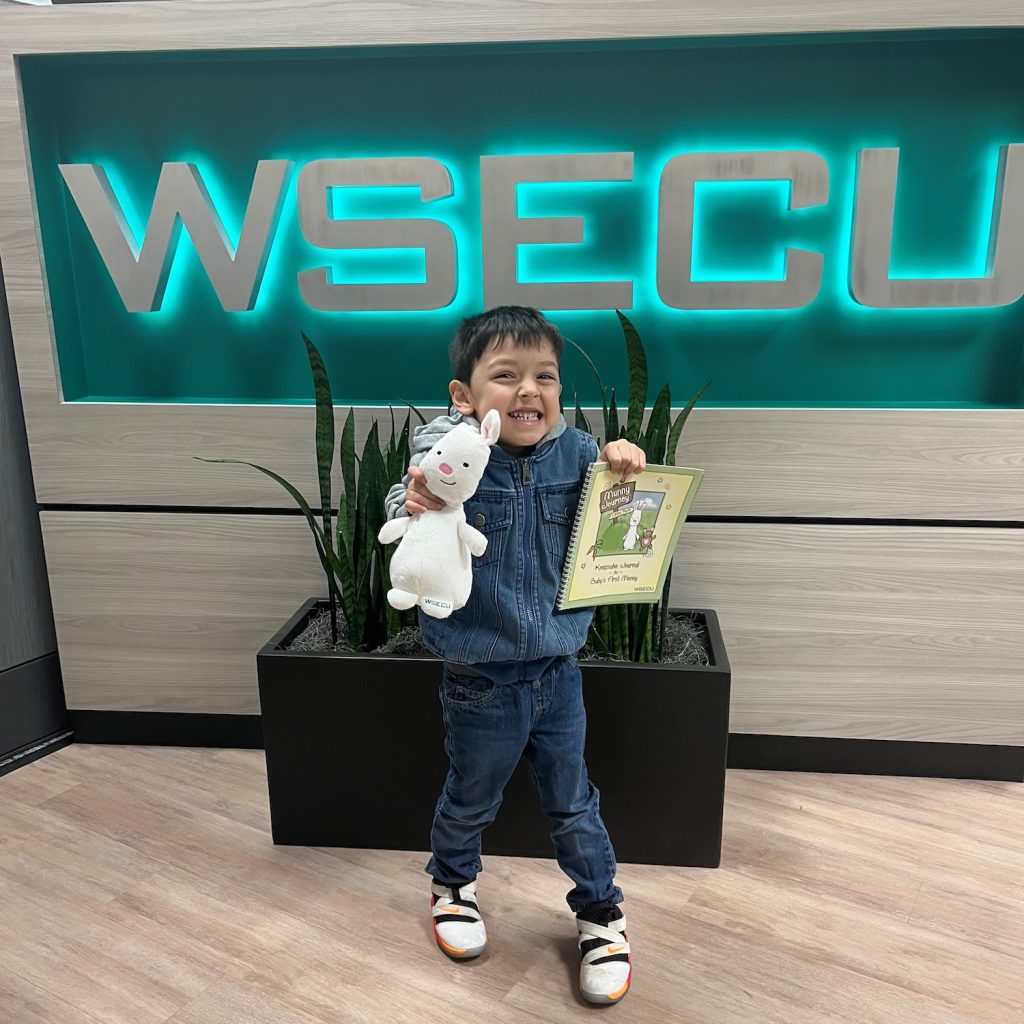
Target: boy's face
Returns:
[[521, 384]]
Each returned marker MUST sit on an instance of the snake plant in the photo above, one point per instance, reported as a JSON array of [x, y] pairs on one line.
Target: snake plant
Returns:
[[355, 564], [635, 632]]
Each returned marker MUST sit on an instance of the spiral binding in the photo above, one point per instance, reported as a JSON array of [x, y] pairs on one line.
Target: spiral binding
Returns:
[[574, 537]]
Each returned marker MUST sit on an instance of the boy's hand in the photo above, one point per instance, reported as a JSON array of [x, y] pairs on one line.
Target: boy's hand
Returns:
[[417, 497], [623, 457]]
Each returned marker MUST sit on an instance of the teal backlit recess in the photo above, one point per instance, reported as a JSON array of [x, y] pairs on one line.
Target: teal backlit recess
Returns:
[[948, 101]]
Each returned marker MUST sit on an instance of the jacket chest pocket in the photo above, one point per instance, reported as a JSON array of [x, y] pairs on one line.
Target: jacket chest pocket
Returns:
[[490, 512], [558, 504]]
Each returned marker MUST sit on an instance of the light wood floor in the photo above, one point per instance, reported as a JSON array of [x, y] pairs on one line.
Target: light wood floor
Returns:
[[140, 885]]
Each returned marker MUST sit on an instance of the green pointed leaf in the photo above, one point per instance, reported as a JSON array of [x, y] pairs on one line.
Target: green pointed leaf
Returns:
[[653, 440], [637, 377], [354, 610], [394, 617], [590, 363], [347, 456], [376, 491], [364, 602], [404, 451], [344, 527], [324, 432], [582, 423], [400, 459], [623, 617], [419, 415], [640, 626], [611, 420], [600, 383], [326, 552], [380, 601], [370, 502], [620, 630], [677, 427], [612, 428]]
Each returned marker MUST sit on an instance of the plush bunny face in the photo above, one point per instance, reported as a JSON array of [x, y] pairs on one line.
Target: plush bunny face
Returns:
[[454, 465]]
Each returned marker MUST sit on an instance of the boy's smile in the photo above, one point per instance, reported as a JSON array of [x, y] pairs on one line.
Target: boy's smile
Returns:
[[522, 384]]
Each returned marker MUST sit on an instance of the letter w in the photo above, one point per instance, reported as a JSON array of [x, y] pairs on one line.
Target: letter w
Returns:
[[181, 199]]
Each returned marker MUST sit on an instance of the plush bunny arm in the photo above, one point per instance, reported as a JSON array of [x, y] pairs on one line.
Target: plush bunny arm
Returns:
[[393, 530], [473, 539]]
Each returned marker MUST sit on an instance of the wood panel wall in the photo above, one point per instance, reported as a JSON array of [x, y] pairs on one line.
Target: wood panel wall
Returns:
[[903, 620], [856, 631]]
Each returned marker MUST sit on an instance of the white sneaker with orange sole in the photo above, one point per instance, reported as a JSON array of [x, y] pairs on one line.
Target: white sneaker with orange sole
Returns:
[[458, 927], [606, 966]]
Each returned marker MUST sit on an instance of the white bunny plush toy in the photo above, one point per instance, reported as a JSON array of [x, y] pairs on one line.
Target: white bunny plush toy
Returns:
[[432, 567]]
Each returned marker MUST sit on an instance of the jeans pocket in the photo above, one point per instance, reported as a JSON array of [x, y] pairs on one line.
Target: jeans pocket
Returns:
[[467, 691]]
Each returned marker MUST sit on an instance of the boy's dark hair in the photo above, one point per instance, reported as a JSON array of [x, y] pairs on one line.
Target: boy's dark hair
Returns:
[[520, 325]]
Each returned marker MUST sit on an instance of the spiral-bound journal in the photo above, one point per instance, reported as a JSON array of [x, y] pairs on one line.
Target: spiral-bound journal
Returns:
[[625, 534]]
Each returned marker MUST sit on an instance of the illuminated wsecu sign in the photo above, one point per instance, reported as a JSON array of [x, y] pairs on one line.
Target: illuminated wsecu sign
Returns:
[[236, 272]]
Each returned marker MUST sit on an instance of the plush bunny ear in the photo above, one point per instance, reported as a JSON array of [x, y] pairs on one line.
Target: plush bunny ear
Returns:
[[490, 426]]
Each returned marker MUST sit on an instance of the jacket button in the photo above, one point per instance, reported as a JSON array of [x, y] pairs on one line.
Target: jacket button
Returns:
[[479, 519], [566, 510]]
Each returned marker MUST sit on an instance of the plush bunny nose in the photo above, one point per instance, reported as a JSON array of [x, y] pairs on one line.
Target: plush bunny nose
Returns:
[[446, 469]]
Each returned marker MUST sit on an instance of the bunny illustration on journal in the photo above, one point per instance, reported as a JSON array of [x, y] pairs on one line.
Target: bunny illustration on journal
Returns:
[[629, 541]]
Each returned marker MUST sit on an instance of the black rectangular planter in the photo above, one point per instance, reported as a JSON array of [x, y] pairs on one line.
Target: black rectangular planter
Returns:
[[355, 756]]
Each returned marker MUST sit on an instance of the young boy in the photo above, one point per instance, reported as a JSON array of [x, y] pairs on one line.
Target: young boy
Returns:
[[511, 683]]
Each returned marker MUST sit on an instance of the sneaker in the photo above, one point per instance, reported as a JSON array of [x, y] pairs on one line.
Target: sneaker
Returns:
[[606, 967], [458, 926]]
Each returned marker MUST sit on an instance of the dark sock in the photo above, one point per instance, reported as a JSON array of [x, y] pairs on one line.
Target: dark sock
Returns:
[[600, 913]]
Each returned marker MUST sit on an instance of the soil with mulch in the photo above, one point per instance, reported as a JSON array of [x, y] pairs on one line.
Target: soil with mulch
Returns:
[[685, 641]]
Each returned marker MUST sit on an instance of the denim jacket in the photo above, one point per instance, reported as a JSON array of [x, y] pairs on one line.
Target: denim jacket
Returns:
[[525, 506]]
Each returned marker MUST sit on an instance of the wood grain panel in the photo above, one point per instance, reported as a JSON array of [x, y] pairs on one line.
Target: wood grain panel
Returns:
[[838, 463], [166, 612], [874, 632], [203, 25], [958, 464]]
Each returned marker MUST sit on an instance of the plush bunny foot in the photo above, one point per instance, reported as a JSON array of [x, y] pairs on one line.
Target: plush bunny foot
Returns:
[[401, 599]]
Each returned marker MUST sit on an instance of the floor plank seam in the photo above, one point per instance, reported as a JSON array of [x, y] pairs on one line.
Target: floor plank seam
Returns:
[[913, 906]]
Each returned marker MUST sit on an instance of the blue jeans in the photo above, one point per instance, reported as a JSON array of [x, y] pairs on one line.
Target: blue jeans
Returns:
[[489, 726]]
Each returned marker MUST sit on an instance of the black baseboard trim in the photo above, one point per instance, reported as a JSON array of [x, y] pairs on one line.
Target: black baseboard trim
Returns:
[[168, 729], [31, 705], [33, 751], [833, 755], [746, 750], [263, 510]]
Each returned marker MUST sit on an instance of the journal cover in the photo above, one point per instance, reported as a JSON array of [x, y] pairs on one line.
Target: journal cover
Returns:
[[625, 534]]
